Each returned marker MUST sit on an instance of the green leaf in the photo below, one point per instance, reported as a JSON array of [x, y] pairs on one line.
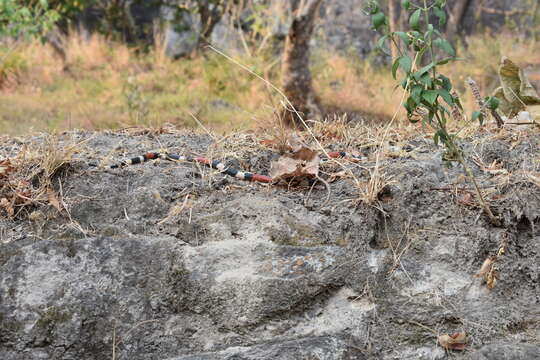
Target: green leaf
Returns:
[[417, 75], [439, 13], [380, 44], [443, 121], [429, 118], [416, 35], [430, 96], [414, 20], [492, 102], [416, 93], [458, 102], [447, 97], [478, 115], [405, 63], [426, 80], [439, 135], [420, 56], [444, 61], [395, 66], [445, 46], [404, 37], [378, 20], [25, 13], [373, 7], [406, 4], [410, 105], [429, 32], [404, 83], [445, 82]]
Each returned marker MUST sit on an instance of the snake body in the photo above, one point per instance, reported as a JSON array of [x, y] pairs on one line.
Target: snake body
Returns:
[[216, 164]]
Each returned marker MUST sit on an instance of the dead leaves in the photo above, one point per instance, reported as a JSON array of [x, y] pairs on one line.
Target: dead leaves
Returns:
[[516, 91], [535, 178], [488, 272], [301, 161], [53, 200], [14, 194], [456, 341], [6, 168], [27, 179]]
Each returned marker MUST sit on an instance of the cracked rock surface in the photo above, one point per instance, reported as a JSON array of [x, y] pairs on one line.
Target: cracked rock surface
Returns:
[[173, 261]]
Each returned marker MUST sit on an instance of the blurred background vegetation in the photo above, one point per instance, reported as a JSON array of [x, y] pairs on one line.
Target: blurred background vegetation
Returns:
[[102, 64]]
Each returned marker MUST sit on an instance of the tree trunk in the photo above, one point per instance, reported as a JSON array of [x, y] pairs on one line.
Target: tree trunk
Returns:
[[457, 15], [296, 76], [210, 17], [55, 40]]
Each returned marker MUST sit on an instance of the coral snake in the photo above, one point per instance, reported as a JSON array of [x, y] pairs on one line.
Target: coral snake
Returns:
[[216, 164]]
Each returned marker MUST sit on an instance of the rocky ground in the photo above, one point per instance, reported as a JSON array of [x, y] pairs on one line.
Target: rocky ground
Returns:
[[175, 261]]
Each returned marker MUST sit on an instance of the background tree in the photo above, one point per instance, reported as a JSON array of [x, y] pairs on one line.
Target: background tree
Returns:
[[456, 18], [296, 76], [19, 21], [393, 19]]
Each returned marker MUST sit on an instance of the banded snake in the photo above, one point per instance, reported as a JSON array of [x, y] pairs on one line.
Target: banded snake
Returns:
[[216, 164]]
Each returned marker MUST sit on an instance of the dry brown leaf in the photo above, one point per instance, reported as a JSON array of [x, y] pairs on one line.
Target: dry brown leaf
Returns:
[[53, 199], [491, 278], [535, 178], [466, 199], [303, 161], [6, 168], [286, 168], [486, 266], [337, 175], [456, 341], [488, 272], [268, 142], [7, 206]]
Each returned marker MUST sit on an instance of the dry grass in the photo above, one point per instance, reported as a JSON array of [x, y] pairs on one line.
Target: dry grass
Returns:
[[353, 85], [39, 94], [29, 178]]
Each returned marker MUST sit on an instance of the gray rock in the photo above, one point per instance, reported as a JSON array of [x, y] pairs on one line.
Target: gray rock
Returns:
[[174, 261], [507, 352], [181, 35], [324, 348]]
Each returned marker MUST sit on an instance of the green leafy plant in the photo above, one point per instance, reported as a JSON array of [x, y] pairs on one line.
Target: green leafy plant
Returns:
[[19, 21], [26, 19], [422, 52]]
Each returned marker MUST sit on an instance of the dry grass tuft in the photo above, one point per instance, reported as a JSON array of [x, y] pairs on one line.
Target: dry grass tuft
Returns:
[[369, 192], [28, 179]]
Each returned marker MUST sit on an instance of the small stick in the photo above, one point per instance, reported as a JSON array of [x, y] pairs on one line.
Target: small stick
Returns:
[[493, 219], [497, 117]]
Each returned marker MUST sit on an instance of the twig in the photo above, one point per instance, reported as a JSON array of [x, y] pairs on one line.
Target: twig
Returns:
[[497, 117], [493, 219], [328, 191], [202, 126]]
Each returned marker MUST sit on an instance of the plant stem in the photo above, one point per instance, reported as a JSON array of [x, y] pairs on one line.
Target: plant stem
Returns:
[[431, 53], [493, 219]]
